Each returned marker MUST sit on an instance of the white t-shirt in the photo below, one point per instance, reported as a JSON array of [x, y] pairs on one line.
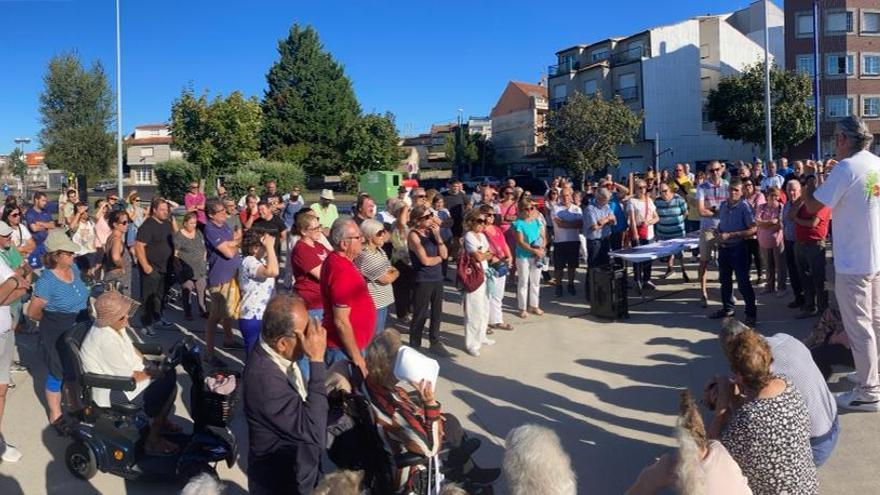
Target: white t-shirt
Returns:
[[474, 242], [852, 191], [5, 314], [20, 235], [570, 213], [776, 180], [109, 352], [255, 290], [643, 209]]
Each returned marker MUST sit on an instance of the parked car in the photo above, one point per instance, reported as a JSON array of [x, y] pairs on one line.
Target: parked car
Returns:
[[537, 187], [104, 185], [473, 182], [441, 185]]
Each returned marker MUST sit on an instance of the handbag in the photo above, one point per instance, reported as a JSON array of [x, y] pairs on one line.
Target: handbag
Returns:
[[470, 272], [500, 268]]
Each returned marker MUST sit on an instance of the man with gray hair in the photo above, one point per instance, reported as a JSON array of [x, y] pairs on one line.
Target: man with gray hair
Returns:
[[852, 191], [349, 312]]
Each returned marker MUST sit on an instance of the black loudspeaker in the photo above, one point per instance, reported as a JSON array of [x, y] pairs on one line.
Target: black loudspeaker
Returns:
[[608, 298]]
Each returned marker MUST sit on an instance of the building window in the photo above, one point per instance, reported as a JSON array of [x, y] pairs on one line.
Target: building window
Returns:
[[146, 152], [155, 132], [559, 91], [804, 23], [599, 54], [839, 22], [627, 88], [144, 175], [590, 87], [805, 65], [871, 65], [837, 107], [870, 22], [839, 65], [871, 106]]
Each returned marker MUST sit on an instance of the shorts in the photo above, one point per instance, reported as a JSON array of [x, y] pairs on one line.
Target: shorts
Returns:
[[7, 345], [566, 254], [225, 299], [708, 240]]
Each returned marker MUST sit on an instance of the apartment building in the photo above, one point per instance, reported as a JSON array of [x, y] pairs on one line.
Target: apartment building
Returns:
[[849, 62], [148, 145], [518, 120], [666, 73]]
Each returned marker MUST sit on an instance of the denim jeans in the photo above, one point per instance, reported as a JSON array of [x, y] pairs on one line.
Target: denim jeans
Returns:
[[381, 318], [734, 259], [824, 444], [303, 362]]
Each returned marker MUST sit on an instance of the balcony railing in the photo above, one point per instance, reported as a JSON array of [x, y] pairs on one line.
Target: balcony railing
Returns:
[[629, 94], [628, 56], [563, 68]]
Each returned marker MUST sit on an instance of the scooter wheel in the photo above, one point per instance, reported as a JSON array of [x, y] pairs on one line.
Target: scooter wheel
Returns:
[[81, 460]]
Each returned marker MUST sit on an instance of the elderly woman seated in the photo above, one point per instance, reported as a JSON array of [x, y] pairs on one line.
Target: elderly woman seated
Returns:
[[108, 350], [415, 425]]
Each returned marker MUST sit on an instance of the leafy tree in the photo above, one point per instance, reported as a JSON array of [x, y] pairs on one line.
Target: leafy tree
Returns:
[[218, 135], [285, 174], [584, 134], [465, 151], [736, 107], [237, 184], [76, 108], [309, 103], [16, 165], [372, 144], [173, 176]]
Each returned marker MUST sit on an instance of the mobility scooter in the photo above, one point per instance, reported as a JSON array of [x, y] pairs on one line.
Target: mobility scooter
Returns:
[[112, 439]]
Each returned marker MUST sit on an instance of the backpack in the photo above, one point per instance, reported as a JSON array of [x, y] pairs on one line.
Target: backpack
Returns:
[[470, 272]]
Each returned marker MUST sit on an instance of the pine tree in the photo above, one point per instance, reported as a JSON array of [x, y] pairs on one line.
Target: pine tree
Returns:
[[309, 105]]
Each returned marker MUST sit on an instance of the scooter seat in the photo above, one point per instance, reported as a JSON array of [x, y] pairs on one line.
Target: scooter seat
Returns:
[[125, 407]]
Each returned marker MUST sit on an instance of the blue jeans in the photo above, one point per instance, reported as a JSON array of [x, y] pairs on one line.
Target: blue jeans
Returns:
[[381, 318], [250, 332], [303, 362], [734, 259], [824, 444]]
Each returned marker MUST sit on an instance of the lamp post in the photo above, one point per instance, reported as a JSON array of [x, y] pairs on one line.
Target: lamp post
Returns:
[[118, 106], [21, 141], [768, 119]]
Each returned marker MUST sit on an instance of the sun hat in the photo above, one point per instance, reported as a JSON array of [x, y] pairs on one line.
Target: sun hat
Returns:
[[327, 194], [5, 229], [110, 307], [58, 241]]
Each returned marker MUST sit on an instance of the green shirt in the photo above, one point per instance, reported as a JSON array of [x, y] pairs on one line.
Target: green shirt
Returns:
[[326, 216], [11, 256]]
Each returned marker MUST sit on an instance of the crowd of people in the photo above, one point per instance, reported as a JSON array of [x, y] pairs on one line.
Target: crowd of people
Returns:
[[312, 290]]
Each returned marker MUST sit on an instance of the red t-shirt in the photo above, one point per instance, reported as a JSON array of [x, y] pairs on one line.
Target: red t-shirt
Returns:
[[817, 233], [343, 285], [303, 259], [243, 216]]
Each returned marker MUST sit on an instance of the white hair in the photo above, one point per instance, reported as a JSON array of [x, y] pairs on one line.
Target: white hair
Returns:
[[534, 462], [203, 484], [689, 473]]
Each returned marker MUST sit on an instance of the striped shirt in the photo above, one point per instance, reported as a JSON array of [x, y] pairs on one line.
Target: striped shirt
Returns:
[[61, 296], [712, 195], [672, 215], [373, 263]]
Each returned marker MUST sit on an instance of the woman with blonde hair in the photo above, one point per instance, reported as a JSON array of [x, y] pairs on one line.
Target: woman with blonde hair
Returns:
[[376, 268]]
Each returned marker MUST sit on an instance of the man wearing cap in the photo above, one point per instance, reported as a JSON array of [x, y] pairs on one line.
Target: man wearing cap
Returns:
[[108, 350], [326, 210]]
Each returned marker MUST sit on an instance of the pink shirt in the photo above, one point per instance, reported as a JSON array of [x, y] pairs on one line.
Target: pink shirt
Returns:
[[769, 237], [193, 199]]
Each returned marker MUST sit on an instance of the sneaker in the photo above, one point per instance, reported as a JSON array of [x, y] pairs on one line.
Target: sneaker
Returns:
[[17, 367], [650, 285], [854, 401], [10, 453], [685, 277], [666, 274], [474, 352], [234, 345], [750, 321], [488, 342], [572, 290], [780, 294], [852, 377], [148, 331], [439, 350]]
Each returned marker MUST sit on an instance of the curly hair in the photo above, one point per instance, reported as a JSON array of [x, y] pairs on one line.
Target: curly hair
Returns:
[[252, 242], [750, 357], [471, 217], [534, 462], [380, 357]]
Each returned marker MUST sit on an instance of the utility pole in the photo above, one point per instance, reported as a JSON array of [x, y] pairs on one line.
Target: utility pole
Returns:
[[768, 119], [817, 111], [118, 107]]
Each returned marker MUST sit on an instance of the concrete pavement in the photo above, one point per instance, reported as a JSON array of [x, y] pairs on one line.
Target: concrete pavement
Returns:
[[609, 389]]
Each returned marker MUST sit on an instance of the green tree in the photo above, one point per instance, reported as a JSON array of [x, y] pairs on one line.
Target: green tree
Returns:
[[173, 177], [309, 103], [76, 108], [467, 151], [736, 107], [16, 165], [372, 144], [584, 134], [218, 135]]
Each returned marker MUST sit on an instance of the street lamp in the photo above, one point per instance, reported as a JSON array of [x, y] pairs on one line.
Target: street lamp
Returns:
[[21, 141]]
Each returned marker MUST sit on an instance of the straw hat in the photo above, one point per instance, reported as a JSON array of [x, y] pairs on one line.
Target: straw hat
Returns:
[[111, 307], [327, 194], [58, 241]]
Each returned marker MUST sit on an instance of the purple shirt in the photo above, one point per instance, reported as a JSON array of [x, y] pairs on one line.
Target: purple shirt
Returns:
[[220, 268]]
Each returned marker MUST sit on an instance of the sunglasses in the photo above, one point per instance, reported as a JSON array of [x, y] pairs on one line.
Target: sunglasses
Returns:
[[530, 208], [420, 196], [481, 221], [715, 170], [429, 215], [14, 215]]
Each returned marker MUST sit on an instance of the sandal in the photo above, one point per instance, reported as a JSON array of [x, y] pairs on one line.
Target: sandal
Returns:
[[503, 326], [537, 311], [523, 314], [489, 330]]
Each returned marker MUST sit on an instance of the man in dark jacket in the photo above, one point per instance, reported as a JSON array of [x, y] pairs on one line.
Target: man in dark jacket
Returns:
[[287, 418]]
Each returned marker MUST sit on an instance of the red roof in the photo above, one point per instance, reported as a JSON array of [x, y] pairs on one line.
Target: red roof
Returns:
[[34, 158], [150, 140], [529, 87]]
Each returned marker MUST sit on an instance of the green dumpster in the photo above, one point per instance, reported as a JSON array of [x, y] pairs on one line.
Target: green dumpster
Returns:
[[380, 185]]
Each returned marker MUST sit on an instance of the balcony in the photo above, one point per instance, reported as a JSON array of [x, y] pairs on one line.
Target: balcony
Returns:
[[563, 68], [629, 94], [628, 56]]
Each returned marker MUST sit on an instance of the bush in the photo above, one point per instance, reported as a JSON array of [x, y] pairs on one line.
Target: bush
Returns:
[[173, 177], [285, 174], [237, 184]]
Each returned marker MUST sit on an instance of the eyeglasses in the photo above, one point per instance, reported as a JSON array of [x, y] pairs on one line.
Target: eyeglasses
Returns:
[[530, 208], [735, 189], [715, 169], [112, 198], [14, 215], [664, 190], [122, 223], [221, 210], [429, 215], [420, 196], [381, 232], [642, 187]]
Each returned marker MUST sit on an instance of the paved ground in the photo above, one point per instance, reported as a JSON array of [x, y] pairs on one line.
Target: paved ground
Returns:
[[607, 388]]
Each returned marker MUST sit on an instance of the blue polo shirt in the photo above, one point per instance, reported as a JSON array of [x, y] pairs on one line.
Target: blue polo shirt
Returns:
[[220, 268], [734, 219], [32, 216], [619, 214], [591, 216]]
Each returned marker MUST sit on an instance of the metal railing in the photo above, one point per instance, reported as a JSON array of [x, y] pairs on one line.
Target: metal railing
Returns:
[[563, 68], [628, 56]]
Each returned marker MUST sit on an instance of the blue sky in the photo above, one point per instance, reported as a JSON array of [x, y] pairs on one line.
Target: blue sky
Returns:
[[420, 60]]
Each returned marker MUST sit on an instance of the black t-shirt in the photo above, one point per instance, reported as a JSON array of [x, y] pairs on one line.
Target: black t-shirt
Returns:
[[158, 237], [273, 226], [455, 203], [273, 199]]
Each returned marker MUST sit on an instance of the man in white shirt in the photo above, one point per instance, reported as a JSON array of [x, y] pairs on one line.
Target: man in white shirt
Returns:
[[108, 350], [567, 220], [852, 191], [12, 287], [772, 179]]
